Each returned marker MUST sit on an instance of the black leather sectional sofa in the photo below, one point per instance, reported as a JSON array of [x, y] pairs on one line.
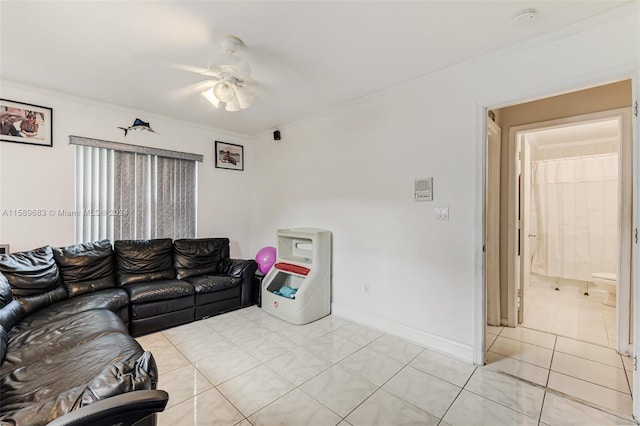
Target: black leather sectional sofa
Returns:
[[67, 317]]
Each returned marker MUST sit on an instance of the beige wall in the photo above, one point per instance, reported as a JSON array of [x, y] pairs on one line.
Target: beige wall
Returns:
[[597, 99]]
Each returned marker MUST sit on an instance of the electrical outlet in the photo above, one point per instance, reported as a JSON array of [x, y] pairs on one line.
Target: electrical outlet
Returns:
[[367, 289]]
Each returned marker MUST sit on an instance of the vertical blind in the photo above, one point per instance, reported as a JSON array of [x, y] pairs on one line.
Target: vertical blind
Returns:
[[122, 194]]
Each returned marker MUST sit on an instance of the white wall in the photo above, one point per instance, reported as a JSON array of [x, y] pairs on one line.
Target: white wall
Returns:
[[351, 171], [36, 177]]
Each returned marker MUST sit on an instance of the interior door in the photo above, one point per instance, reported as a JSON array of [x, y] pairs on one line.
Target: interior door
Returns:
[[525, 218], [524, 195]]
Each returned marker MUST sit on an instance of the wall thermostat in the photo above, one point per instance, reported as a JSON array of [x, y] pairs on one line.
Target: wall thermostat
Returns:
[[423, 189]]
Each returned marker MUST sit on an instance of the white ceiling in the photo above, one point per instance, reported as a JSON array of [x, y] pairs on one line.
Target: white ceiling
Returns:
[[306, 57]]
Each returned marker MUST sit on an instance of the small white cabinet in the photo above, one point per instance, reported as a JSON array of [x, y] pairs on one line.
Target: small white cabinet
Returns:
[[297, 289]]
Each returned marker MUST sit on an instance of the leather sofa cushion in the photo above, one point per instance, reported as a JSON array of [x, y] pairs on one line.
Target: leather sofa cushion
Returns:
[[31, 272], [108, 365], [6, 296], [211, 283], [87, 267], [152, 309], [29, 343], [233, 293], [199, 256], [34, 278], [113, 299], [9, 315], [144, 260], [153, 291]]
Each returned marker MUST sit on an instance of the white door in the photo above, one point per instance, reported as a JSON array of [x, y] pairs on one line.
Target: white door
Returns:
[[524, 228], [635, 245]]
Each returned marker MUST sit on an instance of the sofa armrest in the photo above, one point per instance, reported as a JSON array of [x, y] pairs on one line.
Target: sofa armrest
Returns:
[[125, 409], [241, 268]]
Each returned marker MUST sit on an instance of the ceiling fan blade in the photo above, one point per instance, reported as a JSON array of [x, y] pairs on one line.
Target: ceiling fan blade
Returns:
[[155, 61], [215, 71], [208, 94], [185, 67], [191, 88]]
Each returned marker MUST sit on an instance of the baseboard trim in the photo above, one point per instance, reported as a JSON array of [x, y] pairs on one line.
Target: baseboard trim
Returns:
[[430, 341]]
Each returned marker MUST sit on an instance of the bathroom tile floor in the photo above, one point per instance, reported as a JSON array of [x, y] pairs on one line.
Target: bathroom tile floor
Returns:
[[568, 312], [249, 368]]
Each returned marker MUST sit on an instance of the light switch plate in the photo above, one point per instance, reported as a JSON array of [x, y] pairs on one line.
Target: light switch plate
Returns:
[[442, 213]]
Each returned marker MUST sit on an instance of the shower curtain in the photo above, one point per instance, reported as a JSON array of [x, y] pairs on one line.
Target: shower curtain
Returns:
[[575, 201]]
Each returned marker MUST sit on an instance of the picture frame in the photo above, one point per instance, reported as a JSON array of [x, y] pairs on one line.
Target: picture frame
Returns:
[[26, 124], [4, 248], [229, 156]]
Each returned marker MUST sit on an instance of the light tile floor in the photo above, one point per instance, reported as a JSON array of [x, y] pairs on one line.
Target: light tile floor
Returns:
[[568, 312], [248, 368]]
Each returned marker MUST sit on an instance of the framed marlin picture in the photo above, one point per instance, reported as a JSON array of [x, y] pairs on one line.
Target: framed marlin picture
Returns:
[[229, 156], [26, 123]]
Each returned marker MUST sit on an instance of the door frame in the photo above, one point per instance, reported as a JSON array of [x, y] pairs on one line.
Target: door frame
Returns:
[[625, 184], [492, 224], [635, 288], [482, 106]]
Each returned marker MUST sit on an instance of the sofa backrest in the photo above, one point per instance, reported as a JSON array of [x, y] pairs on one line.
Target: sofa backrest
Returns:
[[34, 278], [143, 260], [85, 268], [200, 256]]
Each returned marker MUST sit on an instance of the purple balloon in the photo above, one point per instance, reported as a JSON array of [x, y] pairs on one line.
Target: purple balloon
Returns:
[[266, 257]]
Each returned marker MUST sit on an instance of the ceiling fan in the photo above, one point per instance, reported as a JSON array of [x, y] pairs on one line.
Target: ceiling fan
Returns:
[[230, 80]]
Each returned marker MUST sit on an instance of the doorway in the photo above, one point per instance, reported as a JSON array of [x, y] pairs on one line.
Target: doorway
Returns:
[[520, 351], [574, 203], [514, 124]]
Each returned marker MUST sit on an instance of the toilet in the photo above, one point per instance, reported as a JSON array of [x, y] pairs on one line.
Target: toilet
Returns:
[[606, 281]]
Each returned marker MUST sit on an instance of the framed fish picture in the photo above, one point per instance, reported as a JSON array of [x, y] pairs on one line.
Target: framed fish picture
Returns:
[[229, 156], [26, 123]]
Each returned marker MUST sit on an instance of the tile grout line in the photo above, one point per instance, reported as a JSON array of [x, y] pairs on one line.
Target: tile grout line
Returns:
[[389, 379], [562, 394], [626, 374], [544, 397], [553, 353], [333, 364], [566, 396], [213, 385], [299, 387], [461, 389]]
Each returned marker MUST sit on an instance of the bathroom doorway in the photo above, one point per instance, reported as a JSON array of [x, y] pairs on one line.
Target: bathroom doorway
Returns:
[[523, 129], [520, 345], [570, 205]]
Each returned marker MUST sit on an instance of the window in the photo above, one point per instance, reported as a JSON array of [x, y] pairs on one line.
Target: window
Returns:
[[131, 192]]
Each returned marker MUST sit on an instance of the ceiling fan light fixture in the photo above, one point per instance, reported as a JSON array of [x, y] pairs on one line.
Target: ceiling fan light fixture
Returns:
[[229, 77], [224, 91], [233, 105], [245, 97]]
